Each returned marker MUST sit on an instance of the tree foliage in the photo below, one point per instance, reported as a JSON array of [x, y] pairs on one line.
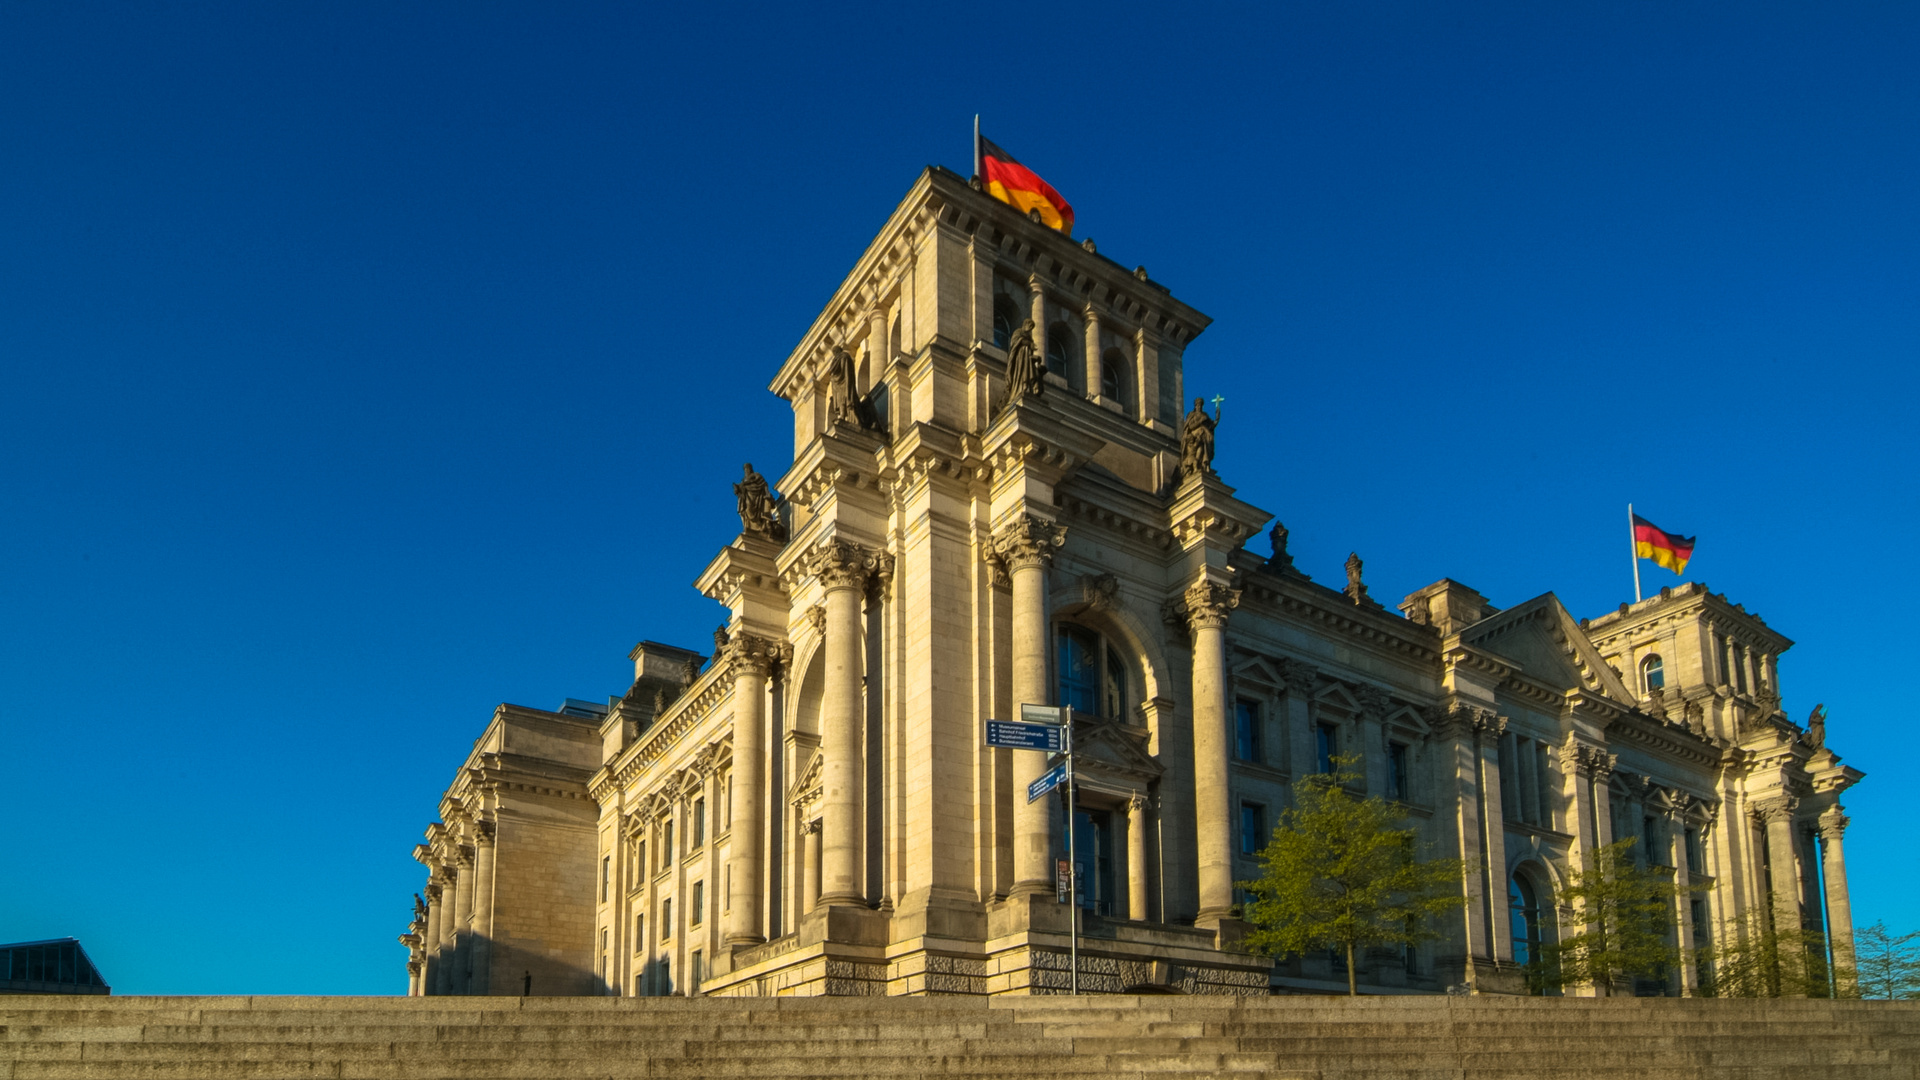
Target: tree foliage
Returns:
[[1622, 925], [1888, 963], [1343, 872], [1755, 960]]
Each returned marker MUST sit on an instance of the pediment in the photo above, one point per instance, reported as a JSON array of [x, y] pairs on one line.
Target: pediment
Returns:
[[809, 781], [1258, 669], [1544, 642], [1108, 747]]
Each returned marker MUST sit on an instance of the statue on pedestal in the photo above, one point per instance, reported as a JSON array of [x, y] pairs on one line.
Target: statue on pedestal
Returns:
[[1196, 441], [1024, 373], [758, 514]]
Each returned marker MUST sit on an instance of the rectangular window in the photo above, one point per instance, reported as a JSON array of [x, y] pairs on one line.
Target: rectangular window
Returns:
[[603, 953], [1740, 669], [1397, 771], [666, 975], [639, 985], [1323, 737], [1650, 838], [666, 919], [1253, 828], [698, 971], [640, 866], [699, 904], [1696, 858], [606, 875], [1246, 730], [666, 845], [639, 933], [1543, 783], [699, 822]]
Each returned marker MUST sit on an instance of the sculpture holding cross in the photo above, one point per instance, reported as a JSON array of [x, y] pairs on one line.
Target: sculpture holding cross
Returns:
[[1217, 399]]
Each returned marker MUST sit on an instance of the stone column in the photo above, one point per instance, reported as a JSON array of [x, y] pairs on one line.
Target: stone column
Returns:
[[1039, 316], [1207, 605], [879, 350], [1683, 902], [413, 978], [462, 922], [810, 865], [430, 976], [1026, 546], [1839, 909], [1775, 817], [482, 933], [842, 568], [1137, 857], [752, 659], [449, 886], [1091, 360], [1487, 733], [1146, 370]]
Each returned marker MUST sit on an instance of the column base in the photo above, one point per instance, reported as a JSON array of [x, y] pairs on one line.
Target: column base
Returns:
[[1229, 933]]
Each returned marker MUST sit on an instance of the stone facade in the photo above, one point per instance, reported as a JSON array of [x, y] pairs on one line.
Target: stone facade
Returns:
[[813, 811]]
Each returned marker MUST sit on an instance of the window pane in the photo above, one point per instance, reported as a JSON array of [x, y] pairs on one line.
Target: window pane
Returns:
[[1079, 667], [1115, 687], [1246, 730]]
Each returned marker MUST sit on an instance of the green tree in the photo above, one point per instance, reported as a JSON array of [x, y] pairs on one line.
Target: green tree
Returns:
[[1622, 925], [1888, 963], [1754, 960], [1345, 873]]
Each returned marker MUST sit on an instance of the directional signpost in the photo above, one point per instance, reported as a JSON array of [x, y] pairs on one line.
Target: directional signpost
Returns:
[[1049, 728]]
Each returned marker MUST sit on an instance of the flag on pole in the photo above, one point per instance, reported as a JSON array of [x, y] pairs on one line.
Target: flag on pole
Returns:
[[1017, 186], [1664, 548]]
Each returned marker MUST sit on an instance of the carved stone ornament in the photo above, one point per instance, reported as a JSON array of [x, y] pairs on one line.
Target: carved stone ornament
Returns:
[[1817, 727], [1025, 376], [842, 565], [845, 405], [1772, 810], [1373, 701], [1207, 604], [817, 618], [756, 503], [749, 654], [1832, 823], [1103, 591], [1136, 803], [1196, 441], [1458, 720], [1027, 541], [1356, 589], [1300, 678], [1279, 560]]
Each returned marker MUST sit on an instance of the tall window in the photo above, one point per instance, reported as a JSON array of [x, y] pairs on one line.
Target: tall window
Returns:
[[639, 932], [639, 866], [1397, 771], [699, 822], [666, 975], [1060, 351], [1093, 859], [1323, 746], [666, 844], [1006, 319], [1246, 730], [1092, 676], [666, 919], [1525, 910], [1653, 673], [1650, 836], [1113, 376], [606, 876], [698, 971], [1253, 828], [699, 905], [1696, 857]]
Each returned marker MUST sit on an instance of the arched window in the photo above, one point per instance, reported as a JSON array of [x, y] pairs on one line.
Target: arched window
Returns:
[[1528, 928], [1060, 352], [1113, 376], [1092, 677], [1006, 319], [1653, 673]]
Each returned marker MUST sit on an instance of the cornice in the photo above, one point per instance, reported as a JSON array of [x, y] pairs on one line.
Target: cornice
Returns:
[[1298, 599]]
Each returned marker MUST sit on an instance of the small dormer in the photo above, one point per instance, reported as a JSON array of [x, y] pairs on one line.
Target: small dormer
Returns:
[[1447, 606]]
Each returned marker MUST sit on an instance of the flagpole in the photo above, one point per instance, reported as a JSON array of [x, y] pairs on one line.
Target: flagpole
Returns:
[[1633, 549], [976, 144]]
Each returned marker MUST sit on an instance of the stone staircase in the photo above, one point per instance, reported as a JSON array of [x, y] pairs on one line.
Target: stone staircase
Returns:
[[1312, 1038]]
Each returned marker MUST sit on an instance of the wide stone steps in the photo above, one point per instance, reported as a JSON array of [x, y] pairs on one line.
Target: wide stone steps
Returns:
[[1309, 1038]]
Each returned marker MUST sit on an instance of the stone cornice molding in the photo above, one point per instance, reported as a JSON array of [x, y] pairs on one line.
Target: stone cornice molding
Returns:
[[1026, 541]]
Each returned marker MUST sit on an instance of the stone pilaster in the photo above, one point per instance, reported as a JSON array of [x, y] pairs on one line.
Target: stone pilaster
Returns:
[[1025, 546], [1207, 606]]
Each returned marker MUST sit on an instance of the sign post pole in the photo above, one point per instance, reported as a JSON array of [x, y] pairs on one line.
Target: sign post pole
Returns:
[[1073, 865]]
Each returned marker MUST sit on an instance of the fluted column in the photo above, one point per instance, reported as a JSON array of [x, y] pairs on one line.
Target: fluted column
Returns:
[[1839, 909], [1137, 857], [1026, 546], [752, 659], [843, 569], [1207, 605], [430, 947], [482, 932]]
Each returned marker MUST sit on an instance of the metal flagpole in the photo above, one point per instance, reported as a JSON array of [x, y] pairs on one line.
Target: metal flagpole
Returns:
[[1073, 863], [976, 144], [1633, 549]]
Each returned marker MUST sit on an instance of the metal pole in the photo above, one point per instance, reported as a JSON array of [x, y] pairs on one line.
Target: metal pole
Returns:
[[976, 145], [1633, 549], [1073, 862]]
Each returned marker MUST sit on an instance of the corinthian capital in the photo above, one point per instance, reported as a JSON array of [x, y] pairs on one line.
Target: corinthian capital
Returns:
[[1772, 810], [1832, 823], [1027, 541], [840, 564], [1207, 604], [749, 654]]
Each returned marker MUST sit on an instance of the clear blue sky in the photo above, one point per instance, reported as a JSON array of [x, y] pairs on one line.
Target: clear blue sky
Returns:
[[351, 355]]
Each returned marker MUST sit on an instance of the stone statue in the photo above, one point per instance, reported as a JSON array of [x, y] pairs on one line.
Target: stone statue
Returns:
[[720, 637], [1024, 373], [758, 515], [1817, 727], [1279, 560], [1356, 590], [1196, 441], [845, 405]]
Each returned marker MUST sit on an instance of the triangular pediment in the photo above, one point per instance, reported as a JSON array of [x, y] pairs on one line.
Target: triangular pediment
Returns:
[[809, 779], [1544, 642], [1108, 747]]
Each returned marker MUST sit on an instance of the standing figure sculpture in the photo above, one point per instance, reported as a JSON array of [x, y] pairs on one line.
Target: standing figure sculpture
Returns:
[[845, 404], [1196, 441], [1356, 589], [758, 514], [1817, 727], [1024, 373]]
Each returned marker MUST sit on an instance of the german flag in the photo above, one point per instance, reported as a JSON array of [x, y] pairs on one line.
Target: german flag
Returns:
[[1016, 185], [1651, 542]]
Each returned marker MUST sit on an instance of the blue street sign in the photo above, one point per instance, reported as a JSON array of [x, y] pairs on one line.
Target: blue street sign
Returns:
[[1014, 736], [1053, 778]]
